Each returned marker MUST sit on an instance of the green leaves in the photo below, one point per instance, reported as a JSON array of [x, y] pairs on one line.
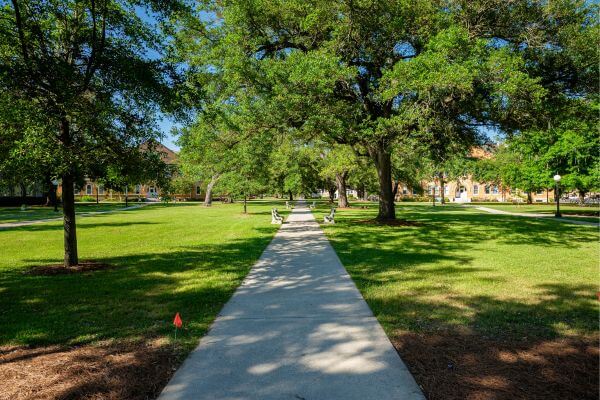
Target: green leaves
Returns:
[[447, 67]]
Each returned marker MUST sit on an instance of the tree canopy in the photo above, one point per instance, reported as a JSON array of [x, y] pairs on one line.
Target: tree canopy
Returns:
[[371, 74]]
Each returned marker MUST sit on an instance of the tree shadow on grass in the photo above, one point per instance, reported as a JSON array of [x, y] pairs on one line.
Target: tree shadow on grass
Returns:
[[486, 348], [469, 345], [138, 298]]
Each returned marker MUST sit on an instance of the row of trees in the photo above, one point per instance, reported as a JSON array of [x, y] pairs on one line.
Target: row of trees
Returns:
[[264, 163], [407, 85], [267, 88], [528, 161]]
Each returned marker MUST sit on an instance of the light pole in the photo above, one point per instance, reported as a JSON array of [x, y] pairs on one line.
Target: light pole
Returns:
[[55, 184], [557, 189]]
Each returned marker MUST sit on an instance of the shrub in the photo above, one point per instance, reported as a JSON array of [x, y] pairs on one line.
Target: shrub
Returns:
[[88, 199], [415, 199]]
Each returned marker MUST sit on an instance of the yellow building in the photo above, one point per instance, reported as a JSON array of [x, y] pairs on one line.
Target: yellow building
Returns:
[[467, 190], [145, 192]]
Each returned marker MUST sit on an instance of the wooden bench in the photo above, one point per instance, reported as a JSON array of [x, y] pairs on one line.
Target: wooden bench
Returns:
[[275, 217], [330, 219]]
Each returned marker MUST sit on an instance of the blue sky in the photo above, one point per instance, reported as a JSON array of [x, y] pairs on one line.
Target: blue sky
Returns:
[[165, 125], [169, 140]]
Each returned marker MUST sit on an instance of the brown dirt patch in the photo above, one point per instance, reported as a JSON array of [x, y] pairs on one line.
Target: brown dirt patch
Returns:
[[60, 269], [105, 371], [467, 367], [391, 222]]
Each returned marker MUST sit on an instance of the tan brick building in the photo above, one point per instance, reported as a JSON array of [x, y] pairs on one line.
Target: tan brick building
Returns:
[[145, 192], [467, 190]]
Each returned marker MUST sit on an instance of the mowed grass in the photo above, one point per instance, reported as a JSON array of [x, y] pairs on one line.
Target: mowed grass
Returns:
[[479, 306], [497, 275], [15, 214], [567, 210], [167, 259]]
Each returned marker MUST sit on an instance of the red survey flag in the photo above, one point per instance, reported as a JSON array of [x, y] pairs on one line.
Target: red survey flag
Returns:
[[177, 321]]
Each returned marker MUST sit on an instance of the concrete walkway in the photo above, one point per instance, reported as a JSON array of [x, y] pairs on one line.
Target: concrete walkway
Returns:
[[297, 328], [8, 225], [537, 215]]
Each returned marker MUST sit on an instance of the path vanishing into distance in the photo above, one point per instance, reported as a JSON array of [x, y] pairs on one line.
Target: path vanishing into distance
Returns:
[[297, 328], [8, 225], [536, 215]]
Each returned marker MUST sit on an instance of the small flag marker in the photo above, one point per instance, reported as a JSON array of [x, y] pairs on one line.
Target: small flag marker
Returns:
[[177, 322]]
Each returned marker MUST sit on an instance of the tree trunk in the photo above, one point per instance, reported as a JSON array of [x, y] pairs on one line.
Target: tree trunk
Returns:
[[383, 164], [291, 195], [209, 189], [395, 188], [529, 198], [49, 190], [331, 191], [68, 204], [581, 197], [70, 234], [340, 182], [52, 196], [23, 190], [245, 204], [442, 191], [97, 194]]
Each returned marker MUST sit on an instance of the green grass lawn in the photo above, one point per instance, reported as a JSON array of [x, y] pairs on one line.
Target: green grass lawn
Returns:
[[461, 278], [167, 259], [575, 212], [496, 274], [14, 214]]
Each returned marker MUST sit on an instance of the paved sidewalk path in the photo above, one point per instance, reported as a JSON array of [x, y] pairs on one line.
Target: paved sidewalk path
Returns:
[[537, 215], [297, 328], [8, 225]]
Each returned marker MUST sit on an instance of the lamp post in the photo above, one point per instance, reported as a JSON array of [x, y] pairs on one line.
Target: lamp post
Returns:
[[557, 189], [55, 184]]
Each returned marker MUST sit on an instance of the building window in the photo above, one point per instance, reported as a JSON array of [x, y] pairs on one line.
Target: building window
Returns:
[[138, 189], [475, 189], [446, 190], [100, 189], [487, 189], [414, 192], [495, 189], [404, 190], [542, 191], [88, 189], [198, 190]]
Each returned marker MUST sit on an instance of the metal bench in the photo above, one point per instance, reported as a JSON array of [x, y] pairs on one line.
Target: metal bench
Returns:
[[330, 219], [275, 217]]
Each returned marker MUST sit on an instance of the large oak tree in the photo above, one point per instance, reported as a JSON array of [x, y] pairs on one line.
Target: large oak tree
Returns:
[[372, 73]]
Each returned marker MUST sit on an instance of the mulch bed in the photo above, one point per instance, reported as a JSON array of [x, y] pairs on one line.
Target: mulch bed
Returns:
[[447, 366], [454, 366], [135, 371], [60, 269]]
